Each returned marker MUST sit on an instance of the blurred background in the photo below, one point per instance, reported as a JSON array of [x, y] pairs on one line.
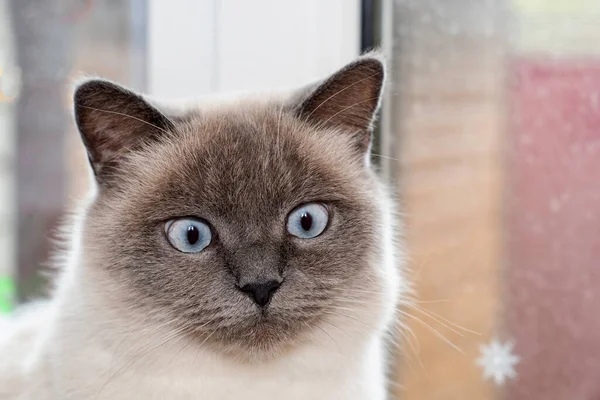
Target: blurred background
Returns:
[[490, 134]]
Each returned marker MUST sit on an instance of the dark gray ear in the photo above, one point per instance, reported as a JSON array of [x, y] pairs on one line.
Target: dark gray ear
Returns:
[[114, 121], [348, 99]]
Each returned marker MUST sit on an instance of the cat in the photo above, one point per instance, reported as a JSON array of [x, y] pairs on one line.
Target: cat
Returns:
[[232, 250]]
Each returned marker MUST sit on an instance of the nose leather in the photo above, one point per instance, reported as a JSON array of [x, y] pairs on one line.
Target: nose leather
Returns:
[[261, 292]]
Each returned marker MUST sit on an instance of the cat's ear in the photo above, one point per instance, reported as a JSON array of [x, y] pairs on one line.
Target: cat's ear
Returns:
[[114, 121], [347, 100]]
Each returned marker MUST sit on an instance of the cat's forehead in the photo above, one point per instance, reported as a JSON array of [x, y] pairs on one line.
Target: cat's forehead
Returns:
[[245, 140], [255, 161], [260, 138]]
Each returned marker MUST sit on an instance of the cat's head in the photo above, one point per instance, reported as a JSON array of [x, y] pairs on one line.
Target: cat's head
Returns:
[[248, 225]]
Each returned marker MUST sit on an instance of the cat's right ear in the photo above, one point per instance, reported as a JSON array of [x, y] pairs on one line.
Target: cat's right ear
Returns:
[[347, 101], [113, 121]]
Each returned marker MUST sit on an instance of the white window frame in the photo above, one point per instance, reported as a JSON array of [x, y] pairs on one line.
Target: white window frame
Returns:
[[201, 47]]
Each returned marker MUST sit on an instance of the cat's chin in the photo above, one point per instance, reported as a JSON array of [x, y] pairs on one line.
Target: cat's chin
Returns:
[[264, 337]]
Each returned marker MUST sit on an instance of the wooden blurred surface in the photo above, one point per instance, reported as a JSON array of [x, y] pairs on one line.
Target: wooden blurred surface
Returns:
[[448, 115]]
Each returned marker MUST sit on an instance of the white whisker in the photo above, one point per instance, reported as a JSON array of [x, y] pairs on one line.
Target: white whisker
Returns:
[[128, 116], [442, 321], [435, 332], [341, 91]]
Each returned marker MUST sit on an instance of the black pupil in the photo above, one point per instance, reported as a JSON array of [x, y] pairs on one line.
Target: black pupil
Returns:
[[306, 221], [193, 234]]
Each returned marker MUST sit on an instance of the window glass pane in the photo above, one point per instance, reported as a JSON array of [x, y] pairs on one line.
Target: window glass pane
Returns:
[[44, 46], [497, 130]]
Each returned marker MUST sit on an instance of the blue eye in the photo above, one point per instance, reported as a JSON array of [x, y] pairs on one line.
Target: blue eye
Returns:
[[188, 235], [308, 221]]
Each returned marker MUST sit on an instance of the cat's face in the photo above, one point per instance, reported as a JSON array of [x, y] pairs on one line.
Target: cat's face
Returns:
[[246, 225]]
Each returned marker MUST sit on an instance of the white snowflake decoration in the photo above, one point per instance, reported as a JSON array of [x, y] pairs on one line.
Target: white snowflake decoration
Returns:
[[498, 361]]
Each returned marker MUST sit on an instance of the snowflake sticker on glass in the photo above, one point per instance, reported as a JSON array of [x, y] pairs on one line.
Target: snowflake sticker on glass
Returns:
[[498, 361]]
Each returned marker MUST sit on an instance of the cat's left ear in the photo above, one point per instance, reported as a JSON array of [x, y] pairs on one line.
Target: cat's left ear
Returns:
[[113, 122], [348, 100]]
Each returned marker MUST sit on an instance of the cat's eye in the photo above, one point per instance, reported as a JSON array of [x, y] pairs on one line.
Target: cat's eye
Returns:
[[188, 235], [308, 221]]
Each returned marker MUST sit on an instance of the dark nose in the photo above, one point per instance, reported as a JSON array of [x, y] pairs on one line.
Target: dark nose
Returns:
[[261, 291]]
